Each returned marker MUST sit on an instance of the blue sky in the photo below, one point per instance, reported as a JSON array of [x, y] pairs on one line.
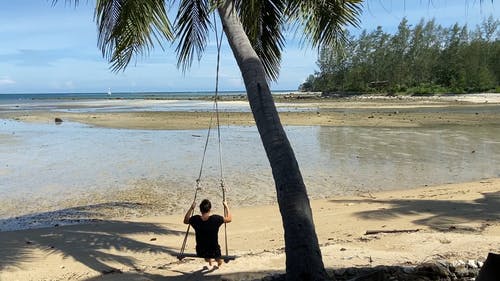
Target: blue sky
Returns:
[[45, 49]]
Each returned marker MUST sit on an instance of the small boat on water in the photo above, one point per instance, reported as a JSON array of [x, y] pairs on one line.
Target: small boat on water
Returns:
[[109, 91]]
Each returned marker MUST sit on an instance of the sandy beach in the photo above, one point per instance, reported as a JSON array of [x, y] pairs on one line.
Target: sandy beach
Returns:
[[457, 222]]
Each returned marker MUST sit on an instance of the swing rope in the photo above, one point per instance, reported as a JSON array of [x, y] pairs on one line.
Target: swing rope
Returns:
[[198, 180], [216, 97]]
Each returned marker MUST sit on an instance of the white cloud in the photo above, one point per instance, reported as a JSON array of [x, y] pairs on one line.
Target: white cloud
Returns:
[[6, 81]]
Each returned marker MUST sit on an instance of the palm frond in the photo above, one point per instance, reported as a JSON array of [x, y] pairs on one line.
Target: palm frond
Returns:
[[324, 21], [130, 27], [263, 21], [66, 2], [191, 29]]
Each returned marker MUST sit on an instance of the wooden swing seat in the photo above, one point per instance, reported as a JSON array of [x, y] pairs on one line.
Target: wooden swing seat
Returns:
[[188, 255]]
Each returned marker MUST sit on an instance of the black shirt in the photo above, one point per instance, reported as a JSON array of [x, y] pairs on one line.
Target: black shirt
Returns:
[[207, 241]]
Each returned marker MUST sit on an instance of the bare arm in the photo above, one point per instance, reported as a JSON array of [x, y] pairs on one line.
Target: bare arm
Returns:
[[189, 213], [227, 215]]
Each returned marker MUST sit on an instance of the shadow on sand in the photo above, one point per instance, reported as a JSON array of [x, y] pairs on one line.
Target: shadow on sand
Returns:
[[202, 274], [85, 242], [95, 243], [442, 214], [91, 244]]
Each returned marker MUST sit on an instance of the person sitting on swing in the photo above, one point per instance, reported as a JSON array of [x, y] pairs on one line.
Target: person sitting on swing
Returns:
[[206, 229]]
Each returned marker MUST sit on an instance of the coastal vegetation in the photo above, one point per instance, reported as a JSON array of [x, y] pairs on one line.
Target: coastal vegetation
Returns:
[[421, 59]]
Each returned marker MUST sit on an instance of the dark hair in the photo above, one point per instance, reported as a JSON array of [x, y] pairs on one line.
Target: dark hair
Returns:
[[205, 206]]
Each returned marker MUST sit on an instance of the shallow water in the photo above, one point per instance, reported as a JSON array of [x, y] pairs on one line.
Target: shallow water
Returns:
[[56, 162], [119, 105]]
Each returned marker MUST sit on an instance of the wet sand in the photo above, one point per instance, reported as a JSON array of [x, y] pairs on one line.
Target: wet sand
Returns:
[[381, 112]]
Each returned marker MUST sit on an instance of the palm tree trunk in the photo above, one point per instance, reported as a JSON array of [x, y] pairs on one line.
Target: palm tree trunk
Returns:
[[303, 255]]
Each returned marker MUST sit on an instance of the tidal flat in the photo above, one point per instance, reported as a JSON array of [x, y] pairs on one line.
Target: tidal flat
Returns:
[[134, 158]]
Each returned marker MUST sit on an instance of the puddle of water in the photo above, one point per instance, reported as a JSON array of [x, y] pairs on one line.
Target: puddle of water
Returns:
[[60, 162]]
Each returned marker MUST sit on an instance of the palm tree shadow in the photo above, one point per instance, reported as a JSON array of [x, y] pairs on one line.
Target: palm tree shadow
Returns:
[[90, 243], [201, 274], [442, 214]]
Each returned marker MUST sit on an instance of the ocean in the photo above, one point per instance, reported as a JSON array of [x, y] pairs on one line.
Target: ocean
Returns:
[[120, 95], [120, 102]]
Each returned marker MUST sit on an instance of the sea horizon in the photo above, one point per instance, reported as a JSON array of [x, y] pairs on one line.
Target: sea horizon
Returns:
[[125, 95]]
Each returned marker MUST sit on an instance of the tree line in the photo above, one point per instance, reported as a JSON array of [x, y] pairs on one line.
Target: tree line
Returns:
[[422, 59]]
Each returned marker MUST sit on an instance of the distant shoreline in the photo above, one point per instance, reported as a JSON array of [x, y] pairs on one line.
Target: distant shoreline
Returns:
[[281, 95], [295, 110]]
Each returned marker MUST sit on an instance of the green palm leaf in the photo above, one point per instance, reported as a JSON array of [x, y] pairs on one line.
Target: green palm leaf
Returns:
[[263, 21], [324, 21], [129, 27], [191, 29]]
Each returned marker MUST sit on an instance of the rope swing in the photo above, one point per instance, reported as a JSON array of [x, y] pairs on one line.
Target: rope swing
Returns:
[[215, 112]]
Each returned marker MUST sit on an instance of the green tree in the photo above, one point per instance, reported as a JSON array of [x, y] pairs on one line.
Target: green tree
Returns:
[[449, 70], [360, 73], [254, 30], [334, 63], [308, 85], [423, 59], [379, 54], [398, 46]]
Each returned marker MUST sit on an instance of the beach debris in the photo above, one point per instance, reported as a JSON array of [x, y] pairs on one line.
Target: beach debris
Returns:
[[438, 270], [444, 241], [370, 232], [434, 269], [458, 263], [367, 239], [152, 239], [472, 264], [58, 120], [463, 228]]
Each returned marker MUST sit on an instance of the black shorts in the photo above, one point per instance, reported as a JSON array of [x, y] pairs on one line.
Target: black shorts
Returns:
[[208, 253]]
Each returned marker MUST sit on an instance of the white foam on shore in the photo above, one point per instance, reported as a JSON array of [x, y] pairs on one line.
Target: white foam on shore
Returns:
[[477, 98]]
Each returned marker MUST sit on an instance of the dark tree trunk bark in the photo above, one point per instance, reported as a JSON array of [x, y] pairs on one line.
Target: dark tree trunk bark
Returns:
[[491, 268], [303, 255]]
